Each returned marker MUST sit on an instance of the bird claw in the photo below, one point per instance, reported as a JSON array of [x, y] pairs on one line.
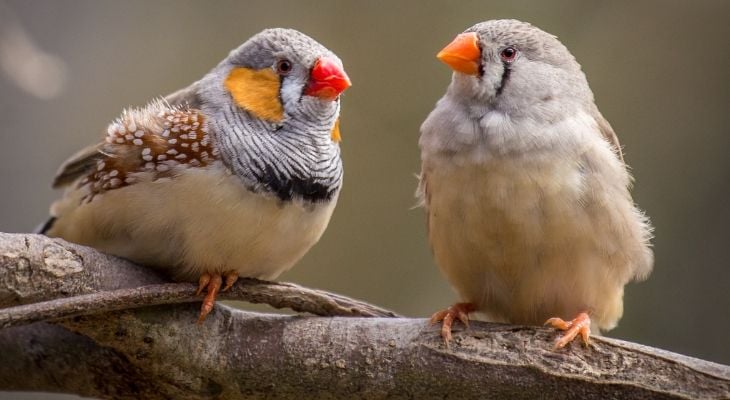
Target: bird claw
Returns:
[[579, 325], [230, 278], [458, 311], [213, 282], [202, 283]]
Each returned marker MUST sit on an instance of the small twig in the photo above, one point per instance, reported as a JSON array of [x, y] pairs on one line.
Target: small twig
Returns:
[[277, 295], [302, 299]]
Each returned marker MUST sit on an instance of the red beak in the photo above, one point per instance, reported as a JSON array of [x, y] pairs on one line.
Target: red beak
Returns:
[[327, 80]]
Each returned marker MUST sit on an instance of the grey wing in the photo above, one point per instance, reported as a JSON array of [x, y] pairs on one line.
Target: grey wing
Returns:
[[77, 165], [608, 133], [424, 198]]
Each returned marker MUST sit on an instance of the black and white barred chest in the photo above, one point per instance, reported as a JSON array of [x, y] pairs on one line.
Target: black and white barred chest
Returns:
[[291, 164]]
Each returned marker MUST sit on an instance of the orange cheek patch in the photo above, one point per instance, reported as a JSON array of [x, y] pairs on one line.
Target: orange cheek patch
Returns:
[[335, 134], [256, 91]]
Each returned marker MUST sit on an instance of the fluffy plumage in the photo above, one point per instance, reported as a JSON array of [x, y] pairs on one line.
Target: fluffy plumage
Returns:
[[526, 192]]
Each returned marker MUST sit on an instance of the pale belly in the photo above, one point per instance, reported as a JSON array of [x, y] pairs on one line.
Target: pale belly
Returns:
[[521, 242], [203, 221]]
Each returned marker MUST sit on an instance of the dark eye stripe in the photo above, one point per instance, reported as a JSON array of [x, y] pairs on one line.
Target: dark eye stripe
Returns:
[[505, 76], [508, 54]]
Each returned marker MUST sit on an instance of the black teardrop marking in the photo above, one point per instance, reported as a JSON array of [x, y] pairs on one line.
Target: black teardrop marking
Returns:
[[505, 76]]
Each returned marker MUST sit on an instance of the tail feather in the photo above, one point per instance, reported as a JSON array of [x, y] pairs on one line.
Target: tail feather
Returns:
[[45, 226]]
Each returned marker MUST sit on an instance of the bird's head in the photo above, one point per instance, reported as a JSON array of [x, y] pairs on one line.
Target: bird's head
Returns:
[[272, 107], [515, 90], [278, 76], [513, 67]]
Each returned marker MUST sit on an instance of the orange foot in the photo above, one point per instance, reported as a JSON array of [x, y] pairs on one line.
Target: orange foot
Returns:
[[458, 311], [213, 282], [580, 324]]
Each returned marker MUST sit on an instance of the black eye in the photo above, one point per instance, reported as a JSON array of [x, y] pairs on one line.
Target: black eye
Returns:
[[508, 54], [283, 67]]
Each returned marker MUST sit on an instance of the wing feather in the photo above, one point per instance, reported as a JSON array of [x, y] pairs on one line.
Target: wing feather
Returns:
[[608, 133], [85, 160], [77, 165]]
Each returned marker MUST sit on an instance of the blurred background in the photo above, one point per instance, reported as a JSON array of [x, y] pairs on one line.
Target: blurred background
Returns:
[[660, 71]]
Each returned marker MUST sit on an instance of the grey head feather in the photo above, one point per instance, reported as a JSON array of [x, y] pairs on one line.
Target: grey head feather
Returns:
[[541, 87], [270, 44], [532, 41], [543, 71], [545, 48], [294, 158]]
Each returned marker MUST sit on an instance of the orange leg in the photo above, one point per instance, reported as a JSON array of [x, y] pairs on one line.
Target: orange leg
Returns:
[[579, 325], [213, 284], [459, 311]]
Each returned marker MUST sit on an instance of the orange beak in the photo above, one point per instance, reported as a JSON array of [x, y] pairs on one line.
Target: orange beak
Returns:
[[462, 54], [327, 80]]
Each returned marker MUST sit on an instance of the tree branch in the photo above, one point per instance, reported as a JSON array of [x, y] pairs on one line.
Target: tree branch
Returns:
[[37, 268], [157, 352], [277, 295]]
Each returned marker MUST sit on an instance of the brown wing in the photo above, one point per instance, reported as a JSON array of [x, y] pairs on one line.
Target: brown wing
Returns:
[[86, 159], [142, 144], [152, 140], [608, 133]]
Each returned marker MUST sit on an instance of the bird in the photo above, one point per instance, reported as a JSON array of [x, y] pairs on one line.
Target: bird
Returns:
[[525, 189], [235, 175]]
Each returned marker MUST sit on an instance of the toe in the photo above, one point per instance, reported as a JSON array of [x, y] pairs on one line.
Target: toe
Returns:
[[209, 301], [585, 334], [446, 328], [202, 283], [463, 316], [580, 325], [230, 278], [438, 316], [458, 311], [566, 338], [559, 323]]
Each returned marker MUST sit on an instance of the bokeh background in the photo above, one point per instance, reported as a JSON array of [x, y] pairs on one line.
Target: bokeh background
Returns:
[[660, 71]]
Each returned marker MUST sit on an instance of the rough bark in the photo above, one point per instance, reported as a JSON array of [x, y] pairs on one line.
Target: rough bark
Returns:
[[61, 279], [158, 352]]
